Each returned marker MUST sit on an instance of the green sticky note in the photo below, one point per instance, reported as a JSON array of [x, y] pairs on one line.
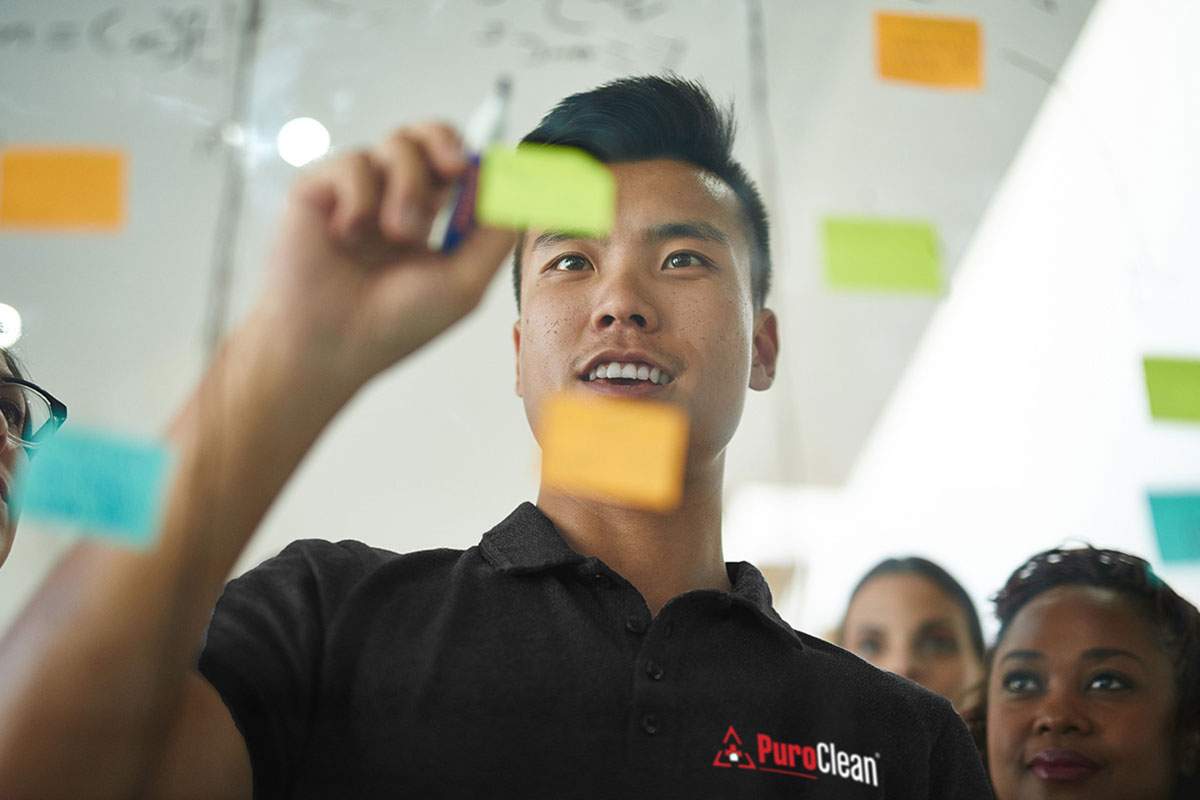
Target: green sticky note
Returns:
[[1173, 385], [547, 188], [107, 486], [881, 255], [1177, 525]]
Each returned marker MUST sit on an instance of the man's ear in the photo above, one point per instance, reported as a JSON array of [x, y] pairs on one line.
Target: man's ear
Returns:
[[766, 350], [517, 355]]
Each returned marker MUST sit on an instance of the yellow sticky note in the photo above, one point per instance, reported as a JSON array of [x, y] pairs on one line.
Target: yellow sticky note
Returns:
[[627, 452], [62, 188], [945, 52], [548, 188]]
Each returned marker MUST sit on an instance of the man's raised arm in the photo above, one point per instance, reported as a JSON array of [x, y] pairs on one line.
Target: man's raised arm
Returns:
[[98, 696]]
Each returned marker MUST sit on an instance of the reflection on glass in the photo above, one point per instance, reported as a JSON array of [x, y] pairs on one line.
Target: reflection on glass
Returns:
[[302, 140]]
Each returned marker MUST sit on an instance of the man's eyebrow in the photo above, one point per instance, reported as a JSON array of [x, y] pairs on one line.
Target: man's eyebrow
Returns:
[[687, 229], [1103, 653], [1024, 655], [684, 229], [549, 238]]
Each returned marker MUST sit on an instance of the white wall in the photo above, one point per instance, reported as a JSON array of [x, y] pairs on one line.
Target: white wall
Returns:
[[1022, 421]]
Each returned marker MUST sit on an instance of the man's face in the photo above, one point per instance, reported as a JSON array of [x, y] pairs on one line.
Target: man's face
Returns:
[[669, 288]]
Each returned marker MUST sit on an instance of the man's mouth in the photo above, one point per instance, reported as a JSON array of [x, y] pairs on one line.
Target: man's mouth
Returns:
[[627, 373]]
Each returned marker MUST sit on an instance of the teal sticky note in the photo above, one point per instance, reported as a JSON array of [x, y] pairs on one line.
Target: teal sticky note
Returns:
[[1177, 525], [546, 187], [881, 255], [1173, 386], [104, 485]]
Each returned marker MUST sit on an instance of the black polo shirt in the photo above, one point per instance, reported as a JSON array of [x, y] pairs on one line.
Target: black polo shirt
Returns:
[[521, 668]]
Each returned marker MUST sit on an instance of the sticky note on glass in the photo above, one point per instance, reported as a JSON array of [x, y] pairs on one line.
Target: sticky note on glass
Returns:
[[62, 189], [1173, 385], [105, 486], [547, 188], [627, 452], [945, 52], [881, 255], [1177, 525]]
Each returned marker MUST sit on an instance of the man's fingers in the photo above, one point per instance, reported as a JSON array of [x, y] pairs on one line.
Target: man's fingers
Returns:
[[420, 164], [358, 186], [475, 261], [442, 146]]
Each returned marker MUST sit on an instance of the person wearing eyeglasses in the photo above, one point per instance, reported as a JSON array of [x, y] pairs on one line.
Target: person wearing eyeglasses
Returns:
[[1094, 682], [28, 416]]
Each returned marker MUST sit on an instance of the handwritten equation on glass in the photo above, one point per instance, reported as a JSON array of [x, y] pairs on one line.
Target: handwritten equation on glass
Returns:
[[564, 19], [168, 37]]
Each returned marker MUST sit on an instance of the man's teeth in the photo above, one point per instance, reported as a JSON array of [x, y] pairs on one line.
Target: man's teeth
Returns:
[[640, 372]]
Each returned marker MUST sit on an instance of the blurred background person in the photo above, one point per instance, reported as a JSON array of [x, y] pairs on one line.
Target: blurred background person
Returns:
[[911, 617], [1093, 687], [28, 415]]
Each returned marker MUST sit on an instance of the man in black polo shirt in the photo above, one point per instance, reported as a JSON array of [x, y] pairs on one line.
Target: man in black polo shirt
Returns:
[[581, 649]]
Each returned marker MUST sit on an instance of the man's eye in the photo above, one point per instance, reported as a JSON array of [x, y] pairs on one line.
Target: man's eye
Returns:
[[680, 260], [570, 263], [1110, 682], [1020, 683]]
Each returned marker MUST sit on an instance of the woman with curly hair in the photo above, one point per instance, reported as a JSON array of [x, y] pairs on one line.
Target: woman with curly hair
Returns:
[[1093, 685]]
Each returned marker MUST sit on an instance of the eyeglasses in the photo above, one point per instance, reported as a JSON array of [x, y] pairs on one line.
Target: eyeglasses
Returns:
[[30, 415]]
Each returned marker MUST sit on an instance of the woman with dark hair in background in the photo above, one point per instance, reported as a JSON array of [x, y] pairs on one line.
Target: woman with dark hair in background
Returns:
[[28, 414], [1093, 687], [911, 617]]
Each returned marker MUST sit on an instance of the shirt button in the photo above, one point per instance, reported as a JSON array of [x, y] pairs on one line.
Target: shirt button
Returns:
[[667, 629], [654, 670], [634, 624], [650, 724]]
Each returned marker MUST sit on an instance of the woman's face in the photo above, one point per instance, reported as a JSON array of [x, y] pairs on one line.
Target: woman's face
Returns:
[[1081, 701], [905, 624], [12, 458]]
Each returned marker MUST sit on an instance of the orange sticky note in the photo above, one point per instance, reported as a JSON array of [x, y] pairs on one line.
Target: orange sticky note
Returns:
[[46, 188], [627, 452], [945, 52]]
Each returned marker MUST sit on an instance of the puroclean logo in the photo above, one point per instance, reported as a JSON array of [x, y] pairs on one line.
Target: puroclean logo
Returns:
[[807, 761]]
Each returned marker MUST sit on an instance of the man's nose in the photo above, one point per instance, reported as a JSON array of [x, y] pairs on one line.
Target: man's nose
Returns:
[[623, 300]]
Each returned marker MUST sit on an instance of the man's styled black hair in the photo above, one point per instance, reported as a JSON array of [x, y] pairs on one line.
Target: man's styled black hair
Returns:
[[648, 117], [939, 577], [1175, 621]]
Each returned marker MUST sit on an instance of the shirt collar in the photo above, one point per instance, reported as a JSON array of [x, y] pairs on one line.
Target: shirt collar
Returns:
[[526, 541]]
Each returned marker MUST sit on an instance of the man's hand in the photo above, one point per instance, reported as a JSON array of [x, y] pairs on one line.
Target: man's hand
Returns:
[[352, 286]]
